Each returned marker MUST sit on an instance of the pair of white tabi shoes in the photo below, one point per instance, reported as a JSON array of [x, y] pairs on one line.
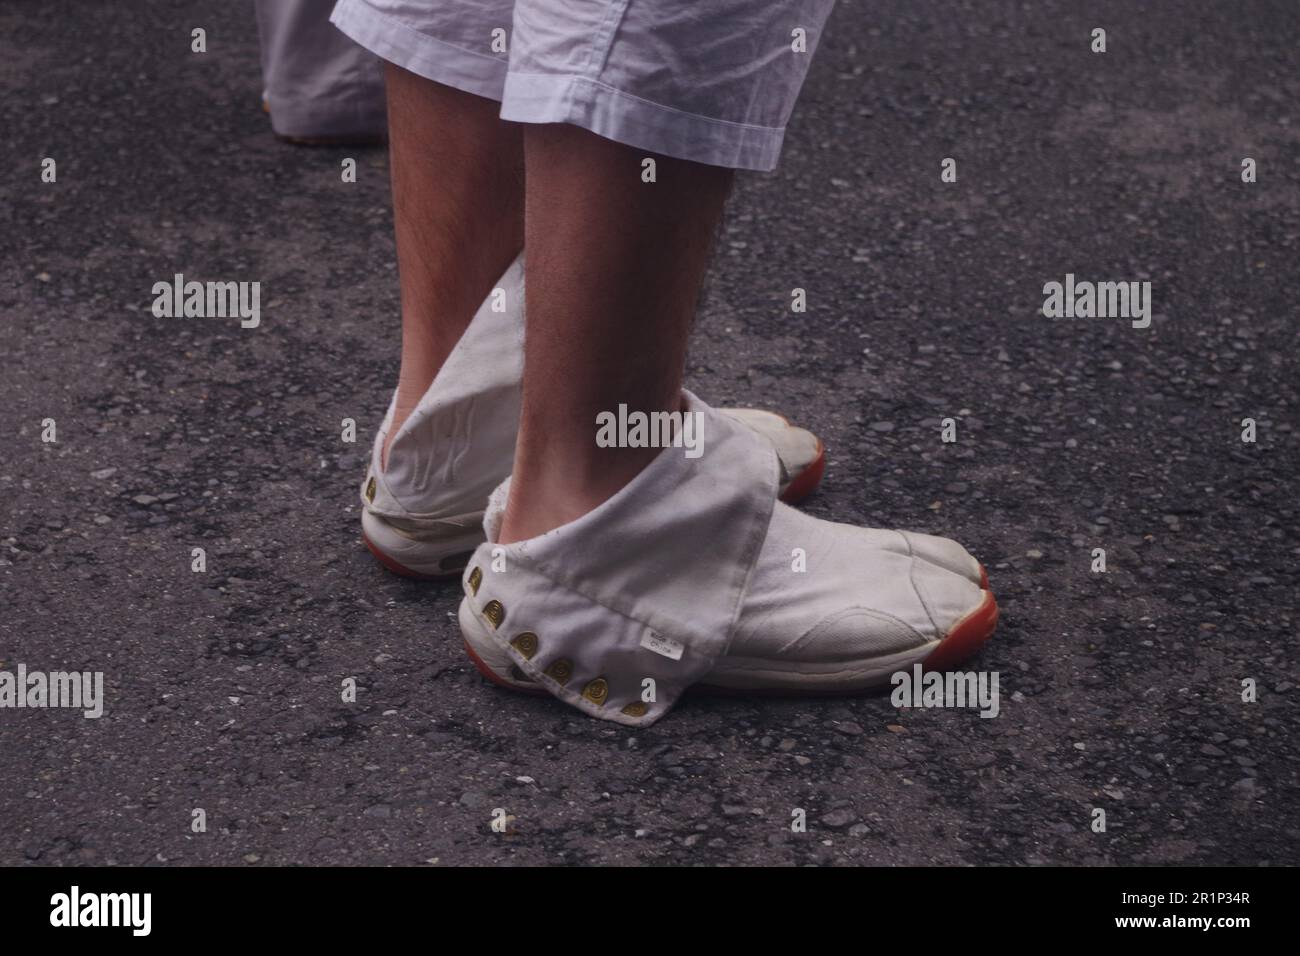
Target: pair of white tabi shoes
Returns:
[[697, 572]]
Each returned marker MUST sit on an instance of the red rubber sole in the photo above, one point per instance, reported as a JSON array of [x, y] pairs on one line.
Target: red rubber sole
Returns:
[[501, 682], [966, 637]]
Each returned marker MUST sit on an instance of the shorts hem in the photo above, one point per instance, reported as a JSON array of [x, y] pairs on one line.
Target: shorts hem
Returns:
[[633, 121], [426, 56]]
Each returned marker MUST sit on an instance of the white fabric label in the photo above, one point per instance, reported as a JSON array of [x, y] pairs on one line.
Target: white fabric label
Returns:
[[663, 645]]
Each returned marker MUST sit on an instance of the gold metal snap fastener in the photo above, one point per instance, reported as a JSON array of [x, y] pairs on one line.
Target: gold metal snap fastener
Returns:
[[475, 579], [596, 691], [370, 491], [495, 612], [636, 709], [559, 670], [525, 644]]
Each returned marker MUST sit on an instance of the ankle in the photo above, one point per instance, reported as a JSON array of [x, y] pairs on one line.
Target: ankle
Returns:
[[530, 516], [543, 499]]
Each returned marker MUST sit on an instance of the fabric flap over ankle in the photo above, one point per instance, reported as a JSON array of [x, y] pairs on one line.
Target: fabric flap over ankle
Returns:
[[458, 443], [646, 587]]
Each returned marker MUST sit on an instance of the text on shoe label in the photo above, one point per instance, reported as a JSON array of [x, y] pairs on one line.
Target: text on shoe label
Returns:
[[663, 645]]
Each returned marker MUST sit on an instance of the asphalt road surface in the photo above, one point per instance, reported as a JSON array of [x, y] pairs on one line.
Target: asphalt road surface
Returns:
[[1120, 691]]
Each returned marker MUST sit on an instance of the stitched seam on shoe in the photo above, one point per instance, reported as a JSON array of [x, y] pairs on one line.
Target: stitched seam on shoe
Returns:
[[855, 608], [911, 577]]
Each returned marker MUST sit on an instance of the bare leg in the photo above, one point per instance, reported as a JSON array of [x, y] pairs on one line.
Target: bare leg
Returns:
[[615, 267], [457, 173]]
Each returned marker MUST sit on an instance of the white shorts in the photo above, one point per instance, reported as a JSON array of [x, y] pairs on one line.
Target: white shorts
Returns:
[[713, 81]]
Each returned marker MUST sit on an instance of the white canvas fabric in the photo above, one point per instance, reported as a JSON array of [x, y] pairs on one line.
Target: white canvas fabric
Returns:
[[867, 604], [316, 81], [713, 81], [458, 442], [686, 575], [424, 511], [796, 448]]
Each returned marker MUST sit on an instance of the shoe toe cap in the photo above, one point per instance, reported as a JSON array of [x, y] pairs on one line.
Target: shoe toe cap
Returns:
[[946, 596], [796, 447], [945, 553]]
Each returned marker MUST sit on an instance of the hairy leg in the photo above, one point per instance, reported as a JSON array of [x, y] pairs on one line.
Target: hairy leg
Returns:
[[458, 190], [615, 267]]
